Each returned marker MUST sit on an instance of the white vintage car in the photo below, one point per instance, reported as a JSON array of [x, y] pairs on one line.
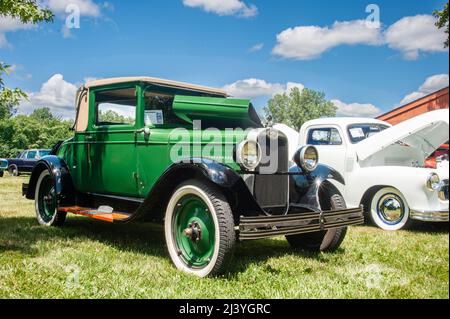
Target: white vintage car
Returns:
[[384, 166]]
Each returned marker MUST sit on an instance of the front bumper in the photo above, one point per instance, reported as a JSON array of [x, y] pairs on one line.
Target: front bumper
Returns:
[[260, 227], [430, 216]]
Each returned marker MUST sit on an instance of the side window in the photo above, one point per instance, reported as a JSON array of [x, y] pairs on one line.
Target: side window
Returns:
[[116, 107], [324, 136], [32, 155], [158, 109], [23, 155]]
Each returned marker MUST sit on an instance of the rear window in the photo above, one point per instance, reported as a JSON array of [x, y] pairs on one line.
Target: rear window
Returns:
[[324, 136], [360, 132]]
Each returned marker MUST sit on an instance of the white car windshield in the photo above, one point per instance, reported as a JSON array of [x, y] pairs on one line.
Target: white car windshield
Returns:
[[359, 132]]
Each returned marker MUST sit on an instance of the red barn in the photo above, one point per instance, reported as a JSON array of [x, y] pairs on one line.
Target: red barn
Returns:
[[435, 101]]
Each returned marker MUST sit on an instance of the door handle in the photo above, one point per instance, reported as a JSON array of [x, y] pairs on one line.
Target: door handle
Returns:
[[144, 130]]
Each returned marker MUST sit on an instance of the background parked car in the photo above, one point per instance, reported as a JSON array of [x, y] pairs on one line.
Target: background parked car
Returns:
[[3, 166], [25, 162], [385, 167]]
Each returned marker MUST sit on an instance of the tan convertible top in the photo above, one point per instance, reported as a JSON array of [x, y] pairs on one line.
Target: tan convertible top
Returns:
[[156, 81]]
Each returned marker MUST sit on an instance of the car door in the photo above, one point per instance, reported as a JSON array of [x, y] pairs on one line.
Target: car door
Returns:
[[29, 161], [110, 142], [156, 122], [19, 161]]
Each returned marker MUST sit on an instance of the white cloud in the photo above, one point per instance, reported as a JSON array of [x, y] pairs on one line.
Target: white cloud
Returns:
[[412, 35], [356, 109], [256, 47], [309, 42], [224, 7], [252, 88], [409, 35], [56, 93], [87, 7], [9, 24], [431, 84]]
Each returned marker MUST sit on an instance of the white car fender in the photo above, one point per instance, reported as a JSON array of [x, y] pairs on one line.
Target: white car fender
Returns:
[[410, 181]]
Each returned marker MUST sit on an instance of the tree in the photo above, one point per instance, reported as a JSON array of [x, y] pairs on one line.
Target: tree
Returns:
[[43, 114], [9, 98], [110, 116], [27, 11], [298, 107], [442, 16], [38, 130]]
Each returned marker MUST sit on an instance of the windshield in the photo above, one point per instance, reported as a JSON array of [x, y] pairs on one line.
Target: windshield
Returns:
[[359, 132]]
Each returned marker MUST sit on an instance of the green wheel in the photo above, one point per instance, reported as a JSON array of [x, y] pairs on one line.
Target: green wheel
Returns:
[[199, 229], [46, 203]]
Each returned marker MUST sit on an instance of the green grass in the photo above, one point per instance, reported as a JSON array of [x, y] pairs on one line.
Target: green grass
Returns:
[[88, 259]]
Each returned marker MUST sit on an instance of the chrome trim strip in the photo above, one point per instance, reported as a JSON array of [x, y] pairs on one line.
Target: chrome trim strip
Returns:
[[430, 216]]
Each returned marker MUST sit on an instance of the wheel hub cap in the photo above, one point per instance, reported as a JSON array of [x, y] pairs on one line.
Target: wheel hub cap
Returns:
[[194, 232], [391, 209]]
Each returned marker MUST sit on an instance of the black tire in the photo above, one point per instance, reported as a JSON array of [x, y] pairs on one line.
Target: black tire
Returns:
[[325, 241], [13, 170], [55, 219], [2, 173], [218, 208]]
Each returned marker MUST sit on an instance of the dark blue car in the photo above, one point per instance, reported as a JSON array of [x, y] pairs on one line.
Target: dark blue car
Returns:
[[25, 162]]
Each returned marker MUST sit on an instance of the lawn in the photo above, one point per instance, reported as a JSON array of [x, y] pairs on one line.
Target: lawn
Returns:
[[88, 259]]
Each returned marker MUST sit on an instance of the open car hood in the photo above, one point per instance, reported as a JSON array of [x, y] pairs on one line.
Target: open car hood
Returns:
[[217, 112], [425, 133]]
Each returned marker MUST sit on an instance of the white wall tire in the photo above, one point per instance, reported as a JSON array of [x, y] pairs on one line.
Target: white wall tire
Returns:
[[215, 217], [389, 210], [45, 202]]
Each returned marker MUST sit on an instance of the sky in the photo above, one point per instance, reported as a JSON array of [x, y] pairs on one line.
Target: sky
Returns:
[[252, 48]]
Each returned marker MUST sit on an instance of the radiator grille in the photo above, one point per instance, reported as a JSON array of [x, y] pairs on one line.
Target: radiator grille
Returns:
[[271, 189]]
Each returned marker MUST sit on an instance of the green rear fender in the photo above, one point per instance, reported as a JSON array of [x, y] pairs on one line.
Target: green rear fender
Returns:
[[60, 175]]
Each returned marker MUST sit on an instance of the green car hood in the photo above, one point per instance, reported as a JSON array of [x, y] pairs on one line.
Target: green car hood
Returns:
[[216, 112]]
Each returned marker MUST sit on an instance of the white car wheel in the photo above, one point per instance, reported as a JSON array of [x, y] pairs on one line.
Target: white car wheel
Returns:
[[199, 229], [389, 209]]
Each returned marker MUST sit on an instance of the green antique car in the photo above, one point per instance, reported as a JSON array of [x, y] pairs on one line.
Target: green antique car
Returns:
[[148, 149]]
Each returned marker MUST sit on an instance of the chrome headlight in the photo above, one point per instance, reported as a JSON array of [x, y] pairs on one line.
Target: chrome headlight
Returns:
[[307, 158], [434, 182], [248, 154]]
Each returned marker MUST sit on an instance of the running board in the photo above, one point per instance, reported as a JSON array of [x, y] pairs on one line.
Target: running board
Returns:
[[95, 214]]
